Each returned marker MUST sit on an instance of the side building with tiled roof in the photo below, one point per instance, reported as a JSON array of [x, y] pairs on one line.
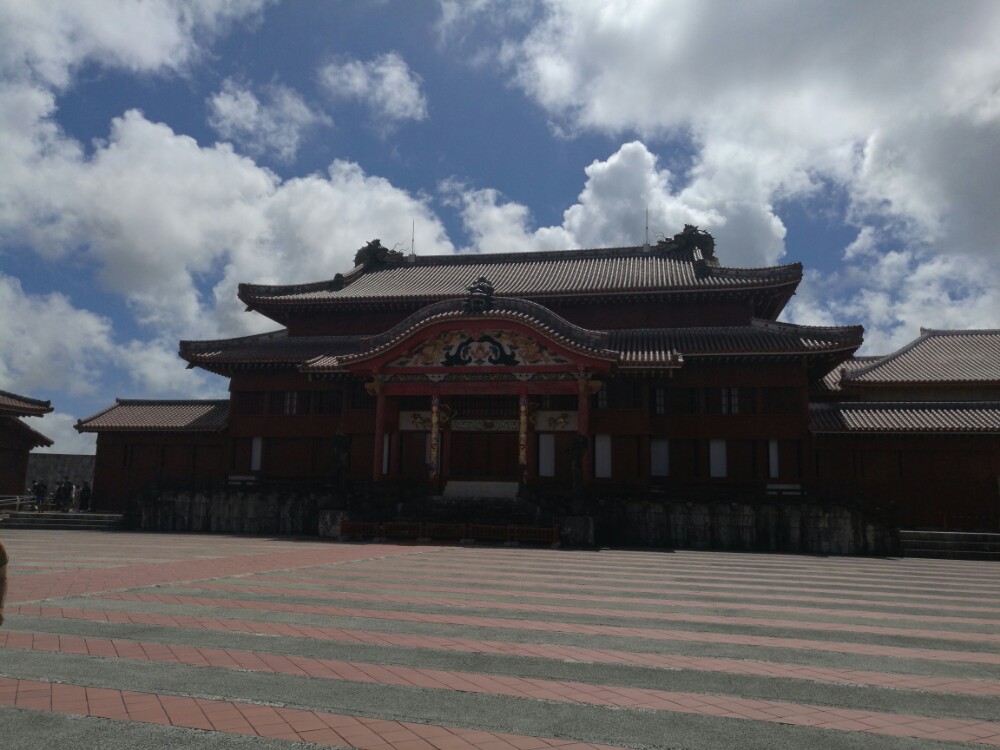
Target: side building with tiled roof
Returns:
[[146, 445], [17, 439], [918, 428]]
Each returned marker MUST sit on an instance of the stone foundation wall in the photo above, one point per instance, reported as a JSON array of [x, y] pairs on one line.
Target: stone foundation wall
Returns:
[[229, 512], [810, 528], [765, 527]]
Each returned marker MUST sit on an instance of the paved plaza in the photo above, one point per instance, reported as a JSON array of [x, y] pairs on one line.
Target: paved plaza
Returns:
[[117, 640]]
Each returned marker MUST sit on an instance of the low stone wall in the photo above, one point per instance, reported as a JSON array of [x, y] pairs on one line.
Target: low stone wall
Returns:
[[229, 512], [52, 468], [811, 528], [779, 526]]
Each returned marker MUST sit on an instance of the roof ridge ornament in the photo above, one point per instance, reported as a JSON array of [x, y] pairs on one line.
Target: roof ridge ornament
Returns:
[[480, 297], [376, 254], [689, 239]]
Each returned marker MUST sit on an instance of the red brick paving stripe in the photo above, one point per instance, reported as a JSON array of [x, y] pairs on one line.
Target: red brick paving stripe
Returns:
[[87, 581], [540, 651], [968, 637], [234, 717], [490, 595], [980, 657], [704, 586], [361, 578], [352, 731], [361, 671], [694, 562], [863, 582], [700, 564]]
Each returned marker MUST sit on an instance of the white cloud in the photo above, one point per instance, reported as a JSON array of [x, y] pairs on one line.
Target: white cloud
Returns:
[[610, 211], [386, 85], [895, 105], [47, 40], [898, 292], [59, 428], [274, 127], [173, 227], [48, 344]]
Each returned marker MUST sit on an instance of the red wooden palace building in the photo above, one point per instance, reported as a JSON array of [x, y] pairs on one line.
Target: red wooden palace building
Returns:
[[18, 439], [637, 370]]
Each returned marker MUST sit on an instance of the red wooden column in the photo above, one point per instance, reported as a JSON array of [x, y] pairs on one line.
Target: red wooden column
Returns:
[[379, 429], [583, 424], [522, 434], [435, 457]]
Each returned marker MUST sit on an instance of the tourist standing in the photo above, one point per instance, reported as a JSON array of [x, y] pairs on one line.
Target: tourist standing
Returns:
[[85, 497], [3, 578]]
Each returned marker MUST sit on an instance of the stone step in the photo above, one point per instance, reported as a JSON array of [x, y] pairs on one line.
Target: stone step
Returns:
[[954, 545], [951, 554], [492, 490], [56, 520]]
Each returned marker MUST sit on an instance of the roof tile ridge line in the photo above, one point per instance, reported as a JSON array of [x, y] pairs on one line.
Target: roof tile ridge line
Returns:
[[959, 331], [885, 359], [266, 336], [82, 422], [306, 286], [29, 399], [766, 324], [168, 401], [461, 259], [794, 265], [859, 405]]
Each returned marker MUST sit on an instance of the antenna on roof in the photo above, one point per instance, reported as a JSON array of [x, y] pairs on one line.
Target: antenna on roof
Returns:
[[413, 235], [645, 241]]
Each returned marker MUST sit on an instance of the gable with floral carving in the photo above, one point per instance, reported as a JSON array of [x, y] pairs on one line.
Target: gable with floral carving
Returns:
[[493, 347]]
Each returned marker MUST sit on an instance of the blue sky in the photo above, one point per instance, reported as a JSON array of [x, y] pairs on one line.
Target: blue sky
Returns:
[[155, 154]]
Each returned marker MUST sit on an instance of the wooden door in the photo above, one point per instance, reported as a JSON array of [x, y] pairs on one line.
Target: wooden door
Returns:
[[484, 456]]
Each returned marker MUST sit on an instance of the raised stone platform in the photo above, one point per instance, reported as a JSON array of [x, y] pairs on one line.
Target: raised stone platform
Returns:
[[481, 489], [79, 521], [955, 545]]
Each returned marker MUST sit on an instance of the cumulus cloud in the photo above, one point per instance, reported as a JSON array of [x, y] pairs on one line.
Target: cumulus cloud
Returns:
[[274, 127], [58, 346], [611, 210], [385, 85], [895, 106], [173, 226], [58, 427], [168, 225], [897, 291], [46, 41]]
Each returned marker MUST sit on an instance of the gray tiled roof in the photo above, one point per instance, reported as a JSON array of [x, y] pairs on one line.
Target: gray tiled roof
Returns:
[[135, 415], [830, 383], [634, 348], [13, 404], [531, 275], [36, 438], [906, 417], [760, 337], [971, 356], [268, 349]]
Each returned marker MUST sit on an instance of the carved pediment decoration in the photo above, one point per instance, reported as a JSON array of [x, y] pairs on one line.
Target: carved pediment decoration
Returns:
[[495, 347]]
